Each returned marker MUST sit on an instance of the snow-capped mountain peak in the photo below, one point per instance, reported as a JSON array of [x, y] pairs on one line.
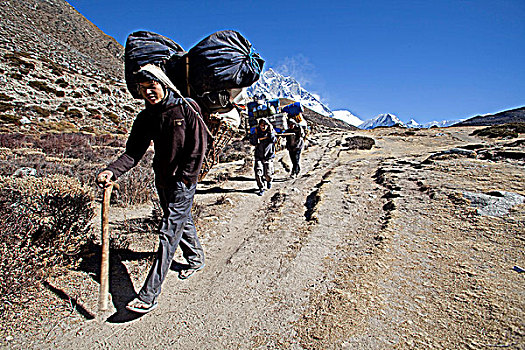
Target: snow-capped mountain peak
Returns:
[[386, 119], [347, 117], [442, 124], [274, 85], [413, 124]]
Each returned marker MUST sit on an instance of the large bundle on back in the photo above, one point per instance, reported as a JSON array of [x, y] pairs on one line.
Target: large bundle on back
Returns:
[[212, 73], [218, 65], [143, 48]]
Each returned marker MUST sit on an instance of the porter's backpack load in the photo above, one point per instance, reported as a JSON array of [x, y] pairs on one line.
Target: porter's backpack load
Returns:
[[293, 109], [251, 106], [274, 104], [224, 60], [143, 47], [279, 122], [233, 118]]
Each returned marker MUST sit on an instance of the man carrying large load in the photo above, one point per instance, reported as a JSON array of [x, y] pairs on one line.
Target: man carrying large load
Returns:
[[180, 141], [180, 136], [213, 73]]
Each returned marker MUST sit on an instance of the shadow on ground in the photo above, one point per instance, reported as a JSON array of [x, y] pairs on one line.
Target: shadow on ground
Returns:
[[120, 284]]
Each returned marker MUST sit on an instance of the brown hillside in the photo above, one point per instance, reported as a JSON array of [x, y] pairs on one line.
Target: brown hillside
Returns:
[[60, 72], [516, 115], [55, 30]]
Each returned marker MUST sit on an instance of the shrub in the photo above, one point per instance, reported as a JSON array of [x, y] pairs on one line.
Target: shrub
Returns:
[[89, 129], [57, 72], [4, 106], [113, 117], [14, 59], [56, 69], [42, 112], [62, 83], [25, 69], [62, 107], [44, 223], [42, 86], [73, 113], [16, 140], [16, 76], [7, 118], [128, 108], [137, 186], [359, 142], [69, 145], [62, 126], [4, 97], [121, 130], [76, 94], [17, 54], [92, 111], [110, 140], [105, 90]]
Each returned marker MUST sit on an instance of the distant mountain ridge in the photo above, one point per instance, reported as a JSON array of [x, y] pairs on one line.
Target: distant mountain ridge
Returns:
[[515, 115], [387, 119], [274, 85]]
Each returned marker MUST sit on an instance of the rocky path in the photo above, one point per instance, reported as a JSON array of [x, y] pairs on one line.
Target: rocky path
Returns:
[[367, 250]]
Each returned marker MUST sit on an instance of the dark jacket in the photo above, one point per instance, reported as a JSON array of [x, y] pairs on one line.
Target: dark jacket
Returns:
[[295, 141], [264, 142], [179, 138]]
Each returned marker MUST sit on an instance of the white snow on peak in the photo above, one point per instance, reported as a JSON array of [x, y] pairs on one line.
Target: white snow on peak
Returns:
[[347, 117], [441, 124], [413, 124], [386, 119]]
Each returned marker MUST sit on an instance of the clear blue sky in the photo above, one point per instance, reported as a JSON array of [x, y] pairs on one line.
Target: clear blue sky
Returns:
[[427, 60]]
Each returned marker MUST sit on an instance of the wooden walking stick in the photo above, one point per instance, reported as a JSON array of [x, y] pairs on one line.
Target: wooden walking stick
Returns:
[[104, 264]]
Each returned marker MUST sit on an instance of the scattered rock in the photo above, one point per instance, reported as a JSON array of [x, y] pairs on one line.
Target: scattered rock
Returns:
[[359, 142], [494, 203]]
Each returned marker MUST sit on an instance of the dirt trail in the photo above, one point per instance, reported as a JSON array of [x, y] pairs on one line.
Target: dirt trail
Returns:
[[367, 250]]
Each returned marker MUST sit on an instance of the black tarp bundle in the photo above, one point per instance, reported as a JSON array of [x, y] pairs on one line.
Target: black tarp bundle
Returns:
[[222, 61], [145, 47]]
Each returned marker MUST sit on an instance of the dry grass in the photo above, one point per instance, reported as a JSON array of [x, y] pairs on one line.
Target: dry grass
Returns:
[[44, 223]]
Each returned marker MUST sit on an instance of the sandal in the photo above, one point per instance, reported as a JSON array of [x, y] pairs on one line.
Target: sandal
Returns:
[[137, 305], [187, 273]]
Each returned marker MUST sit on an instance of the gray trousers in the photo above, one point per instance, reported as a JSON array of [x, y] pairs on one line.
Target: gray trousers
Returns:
[[263, 172], [176, 229]]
